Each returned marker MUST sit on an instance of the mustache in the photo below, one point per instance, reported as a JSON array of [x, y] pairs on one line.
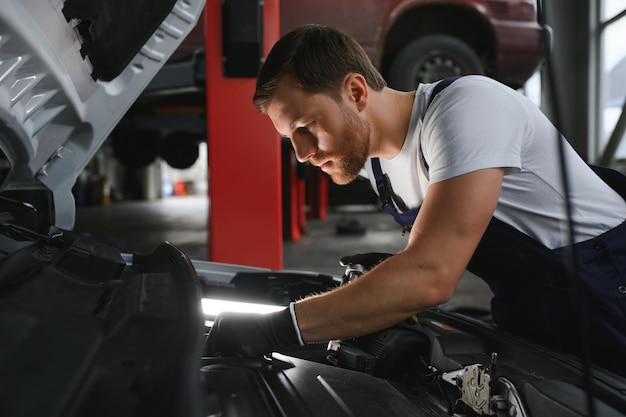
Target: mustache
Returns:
[[319, 157]]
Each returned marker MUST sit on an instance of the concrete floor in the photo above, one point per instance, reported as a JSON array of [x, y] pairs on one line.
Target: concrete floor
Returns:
[[139, 226]]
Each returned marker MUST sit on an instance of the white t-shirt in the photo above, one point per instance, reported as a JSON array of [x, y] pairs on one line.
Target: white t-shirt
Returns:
[[477, 123]]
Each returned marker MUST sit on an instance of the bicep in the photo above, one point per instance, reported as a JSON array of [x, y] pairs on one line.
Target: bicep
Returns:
[[453, 217]]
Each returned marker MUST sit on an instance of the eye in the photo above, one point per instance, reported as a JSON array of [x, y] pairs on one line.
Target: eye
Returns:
[[307, 127]]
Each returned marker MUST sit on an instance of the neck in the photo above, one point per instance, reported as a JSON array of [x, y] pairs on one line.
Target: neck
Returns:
[[390, 116]]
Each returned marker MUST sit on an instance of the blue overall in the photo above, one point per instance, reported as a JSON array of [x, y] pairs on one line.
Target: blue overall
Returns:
[[532, 284]]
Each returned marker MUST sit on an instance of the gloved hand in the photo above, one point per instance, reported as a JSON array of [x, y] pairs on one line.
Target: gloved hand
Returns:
[[252, 334]]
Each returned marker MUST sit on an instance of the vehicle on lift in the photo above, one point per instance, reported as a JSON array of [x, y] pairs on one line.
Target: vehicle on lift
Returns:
[[424, 41], [88, 331], [408, 41]]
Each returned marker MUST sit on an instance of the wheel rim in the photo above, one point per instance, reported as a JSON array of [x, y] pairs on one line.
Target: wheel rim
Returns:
[[436, 66]]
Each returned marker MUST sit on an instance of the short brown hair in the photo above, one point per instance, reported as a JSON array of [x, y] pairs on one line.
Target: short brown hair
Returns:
[[318, 58]]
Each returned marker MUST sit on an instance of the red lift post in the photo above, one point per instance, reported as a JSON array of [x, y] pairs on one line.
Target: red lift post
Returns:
[[245, 222]]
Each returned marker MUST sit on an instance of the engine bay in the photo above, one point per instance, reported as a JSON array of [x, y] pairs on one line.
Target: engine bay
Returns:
[[87, 329]]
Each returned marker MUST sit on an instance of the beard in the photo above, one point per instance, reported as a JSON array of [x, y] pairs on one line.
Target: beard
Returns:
[[354, 151]]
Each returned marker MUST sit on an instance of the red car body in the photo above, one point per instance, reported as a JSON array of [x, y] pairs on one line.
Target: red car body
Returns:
[[504, 35]]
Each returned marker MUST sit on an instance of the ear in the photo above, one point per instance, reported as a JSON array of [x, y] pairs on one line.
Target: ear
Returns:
[[357, 90]]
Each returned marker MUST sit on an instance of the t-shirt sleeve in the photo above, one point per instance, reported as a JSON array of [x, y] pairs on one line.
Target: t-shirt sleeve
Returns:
[[474, 124]]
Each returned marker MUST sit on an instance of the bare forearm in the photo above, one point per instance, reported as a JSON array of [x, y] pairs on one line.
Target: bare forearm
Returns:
[[383, 297], [447, 230]]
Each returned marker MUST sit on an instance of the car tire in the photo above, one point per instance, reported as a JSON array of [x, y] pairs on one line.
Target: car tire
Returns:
[[135, 148], [431, 58], [179, 150]]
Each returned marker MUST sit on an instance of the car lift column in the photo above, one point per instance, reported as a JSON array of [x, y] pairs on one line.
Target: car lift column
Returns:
[[245, 216]]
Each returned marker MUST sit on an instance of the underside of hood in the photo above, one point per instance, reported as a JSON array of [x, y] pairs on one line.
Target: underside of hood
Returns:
[[69, 70]]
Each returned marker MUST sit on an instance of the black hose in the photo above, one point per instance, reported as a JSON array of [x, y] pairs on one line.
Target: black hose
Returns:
[[579, 308]]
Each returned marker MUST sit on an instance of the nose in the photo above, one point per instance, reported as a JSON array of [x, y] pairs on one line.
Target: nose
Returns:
[[304, 146]]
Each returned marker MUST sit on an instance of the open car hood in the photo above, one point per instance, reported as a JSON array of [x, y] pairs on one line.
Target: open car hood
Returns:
[[69, 70]]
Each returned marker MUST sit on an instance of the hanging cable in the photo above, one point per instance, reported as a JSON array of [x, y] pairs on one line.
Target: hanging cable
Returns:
[[578, 301]]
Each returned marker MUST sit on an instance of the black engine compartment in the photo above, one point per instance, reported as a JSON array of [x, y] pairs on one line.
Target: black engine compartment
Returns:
[[87, 330]]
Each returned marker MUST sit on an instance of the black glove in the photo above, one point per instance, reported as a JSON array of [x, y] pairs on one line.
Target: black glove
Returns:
[[251, 334]]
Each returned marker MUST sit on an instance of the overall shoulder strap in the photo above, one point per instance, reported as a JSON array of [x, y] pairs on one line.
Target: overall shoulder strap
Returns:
[[440, 86], [382, 181], [443, 84]]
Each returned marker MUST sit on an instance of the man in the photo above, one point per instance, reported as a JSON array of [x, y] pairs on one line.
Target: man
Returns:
[[481, 163]]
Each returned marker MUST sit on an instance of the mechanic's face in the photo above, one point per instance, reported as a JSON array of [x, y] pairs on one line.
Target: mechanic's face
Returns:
[[324, 132]]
